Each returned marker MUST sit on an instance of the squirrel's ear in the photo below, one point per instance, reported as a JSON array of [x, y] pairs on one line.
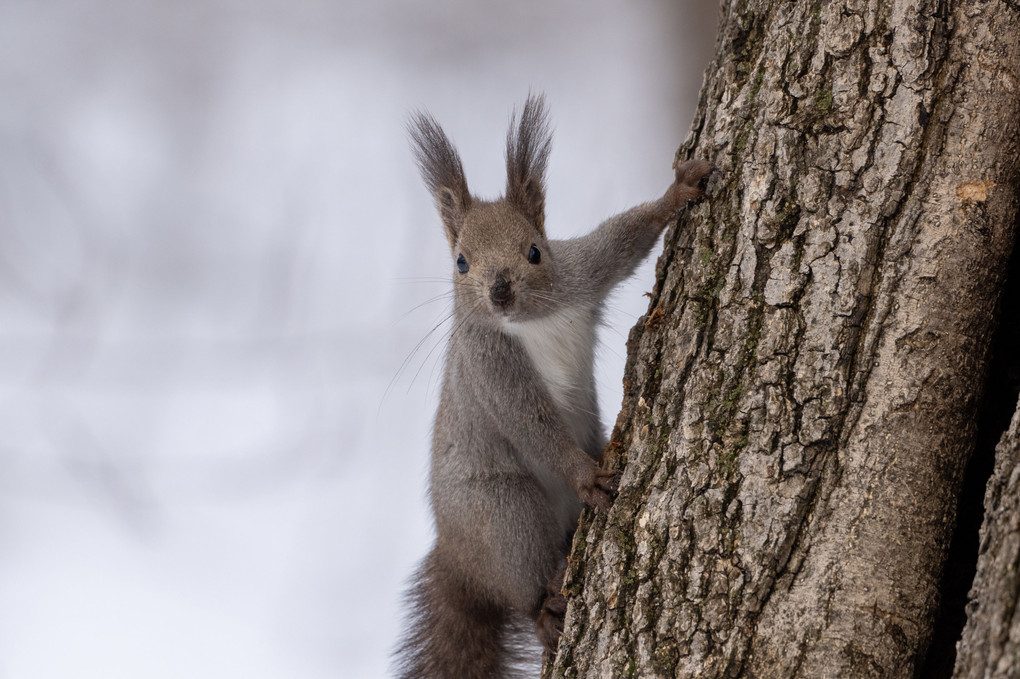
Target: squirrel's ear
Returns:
[[442, 171], [527, 154]]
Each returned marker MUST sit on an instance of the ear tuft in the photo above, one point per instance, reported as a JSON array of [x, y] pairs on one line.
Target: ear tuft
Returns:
[[527, 154], [442, 171]]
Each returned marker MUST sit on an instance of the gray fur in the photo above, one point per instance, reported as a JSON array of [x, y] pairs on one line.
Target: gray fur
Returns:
[[514, 448]]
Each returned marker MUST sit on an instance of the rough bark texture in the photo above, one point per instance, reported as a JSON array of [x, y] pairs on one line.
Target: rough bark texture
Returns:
[[990, 647], [799, 401]]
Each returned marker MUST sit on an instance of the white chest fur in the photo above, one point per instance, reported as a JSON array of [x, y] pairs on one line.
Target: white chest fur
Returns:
[[561, 347]]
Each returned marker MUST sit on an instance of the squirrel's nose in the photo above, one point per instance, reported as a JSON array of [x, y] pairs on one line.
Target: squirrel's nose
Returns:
[[501, 294]]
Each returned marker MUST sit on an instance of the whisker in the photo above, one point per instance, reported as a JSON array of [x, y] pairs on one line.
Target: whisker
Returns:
[[445, 295], [457, 325], [421, 279], [410, 356]]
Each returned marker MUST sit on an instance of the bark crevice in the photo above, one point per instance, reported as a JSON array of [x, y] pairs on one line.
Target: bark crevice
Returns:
[[998, 402]]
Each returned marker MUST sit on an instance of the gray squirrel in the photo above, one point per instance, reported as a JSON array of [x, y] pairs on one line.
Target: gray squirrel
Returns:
[[517, 434]]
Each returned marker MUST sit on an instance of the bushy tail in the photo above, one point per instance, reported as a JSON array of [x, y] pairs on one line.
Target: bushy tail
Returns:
[[452, 634]]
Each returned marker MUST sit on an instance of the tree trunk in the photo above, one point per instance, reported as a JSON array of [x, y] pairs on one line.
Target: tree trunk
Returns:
[[990, 647], [800, 400]]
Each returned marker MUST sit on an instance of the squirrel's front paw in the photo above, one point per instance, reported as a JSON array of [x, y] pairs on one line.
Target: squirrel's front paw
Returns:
[[597, 487], [694, 173], [691, 177]]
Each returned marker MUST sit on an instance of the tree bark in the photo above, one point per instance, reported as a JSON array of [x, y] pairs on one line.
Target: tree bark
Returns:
[[799, 402], [990, 647]]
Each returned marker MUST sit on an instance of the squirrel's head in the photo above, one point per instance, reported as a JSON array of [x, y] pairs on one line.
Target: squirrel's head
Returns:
[[502, 267]]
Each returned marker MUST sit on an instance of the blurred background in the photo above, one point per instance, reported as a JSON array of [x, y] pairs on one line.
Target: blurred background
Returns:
[[219, 276]]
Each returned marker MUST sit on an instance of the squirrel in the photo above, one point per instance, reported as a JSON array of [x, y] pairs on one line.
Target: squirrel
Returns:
[[517, 436]]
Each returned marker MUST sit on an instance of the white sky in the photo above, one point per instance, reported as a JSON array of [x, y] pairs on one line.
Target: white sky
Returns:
[[213, 248]]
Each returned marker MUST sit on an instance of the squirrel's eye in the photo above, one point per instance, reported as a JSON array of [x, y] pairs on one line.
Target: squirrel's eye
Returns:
[[462, 265], [534, 256]]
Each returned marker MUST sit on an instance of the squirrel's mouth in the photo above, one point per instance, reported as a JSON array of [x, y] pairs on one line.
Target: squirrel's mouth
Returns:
[[510, 315], [506, 315]]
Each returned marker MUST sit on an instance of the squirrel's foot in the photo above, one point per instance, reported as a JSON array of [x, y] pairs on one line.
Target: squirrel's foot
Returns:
[[549, 623]]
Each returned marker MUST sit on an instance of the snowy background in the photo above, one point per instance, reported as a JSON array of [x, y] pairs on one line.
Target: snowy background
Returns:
[[215, 265]]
